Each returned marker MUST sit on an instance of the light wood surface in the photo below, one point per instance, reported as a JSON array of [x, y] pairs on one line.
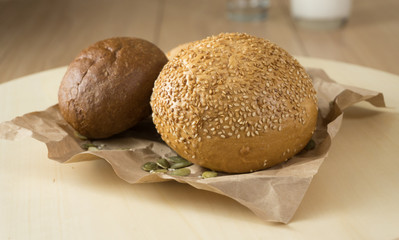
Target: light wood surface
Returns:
[[43, 34], [353, 196]]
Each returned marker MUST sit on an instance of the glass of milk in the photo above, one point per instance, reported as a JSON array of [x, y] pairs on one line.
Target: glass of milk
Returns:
[[321, 14]]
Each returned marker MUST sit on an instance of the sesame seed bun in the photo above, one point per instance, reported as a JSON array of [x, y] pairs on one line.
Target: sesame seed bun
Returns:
[[234, 103], [107, 88], [173, 52]]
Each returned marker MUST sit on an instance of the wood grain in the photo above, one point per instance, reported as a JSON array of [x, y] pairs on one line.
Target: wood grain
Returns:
[[43, 34], [370, 38], [209, 17], [353, 196]]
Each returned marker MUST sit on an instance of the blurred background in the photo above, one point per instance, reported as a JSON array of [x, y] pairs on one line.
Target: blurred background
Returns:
[[37, 35]]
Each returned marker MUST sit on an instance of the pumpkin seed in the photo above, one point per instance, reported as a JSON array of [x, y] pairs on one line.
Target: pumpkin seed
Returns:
[[161, 170], [209, 174], [88, 145], [80, 136], [92, 149], [163, 163], [311, 145], [176, 159], [180, 172], [180, 164], [149, 166]]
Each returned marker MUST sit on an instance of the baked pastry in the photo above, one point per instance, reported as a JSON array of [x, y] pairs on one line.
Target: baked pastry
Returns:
[[107, 88], [234, 103], [173, 52]]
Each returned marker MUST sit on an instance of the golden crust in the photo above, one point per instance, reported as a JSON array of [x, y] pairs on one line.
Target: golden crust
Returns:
[[107, 88], [234, 103], [173, 52]]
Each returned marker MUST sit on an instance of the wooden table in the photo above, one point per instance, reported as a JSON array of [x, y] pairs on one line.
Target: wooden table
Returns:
[[42, 34], [354, 195]]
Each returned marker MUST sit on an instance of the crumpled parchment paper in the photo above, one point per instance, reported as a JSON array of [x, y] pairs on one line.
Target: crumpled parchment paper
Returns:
[[273, 194]]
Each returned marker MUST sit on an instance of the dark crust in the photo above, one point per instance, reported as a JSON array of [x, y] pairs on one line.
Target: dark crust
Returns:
[[107, 88]]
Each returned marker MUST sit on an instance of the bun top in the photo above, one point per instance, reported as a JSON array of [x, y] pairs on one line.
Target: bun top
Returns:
[[230, 86]]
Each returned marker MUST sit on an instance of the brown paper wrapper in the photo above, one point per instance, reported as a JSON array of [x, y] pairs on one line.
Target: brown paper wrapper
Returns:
[[273, 194]]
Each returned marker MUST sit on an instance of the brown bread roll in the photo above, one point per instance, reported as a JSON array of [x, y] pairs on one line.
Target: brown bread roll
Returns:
[[234, 103], [107, 88]]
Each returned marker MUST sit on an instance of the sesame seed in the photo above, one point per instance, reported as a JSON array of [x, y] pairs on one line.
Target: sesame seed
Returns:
[[201, 91]]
